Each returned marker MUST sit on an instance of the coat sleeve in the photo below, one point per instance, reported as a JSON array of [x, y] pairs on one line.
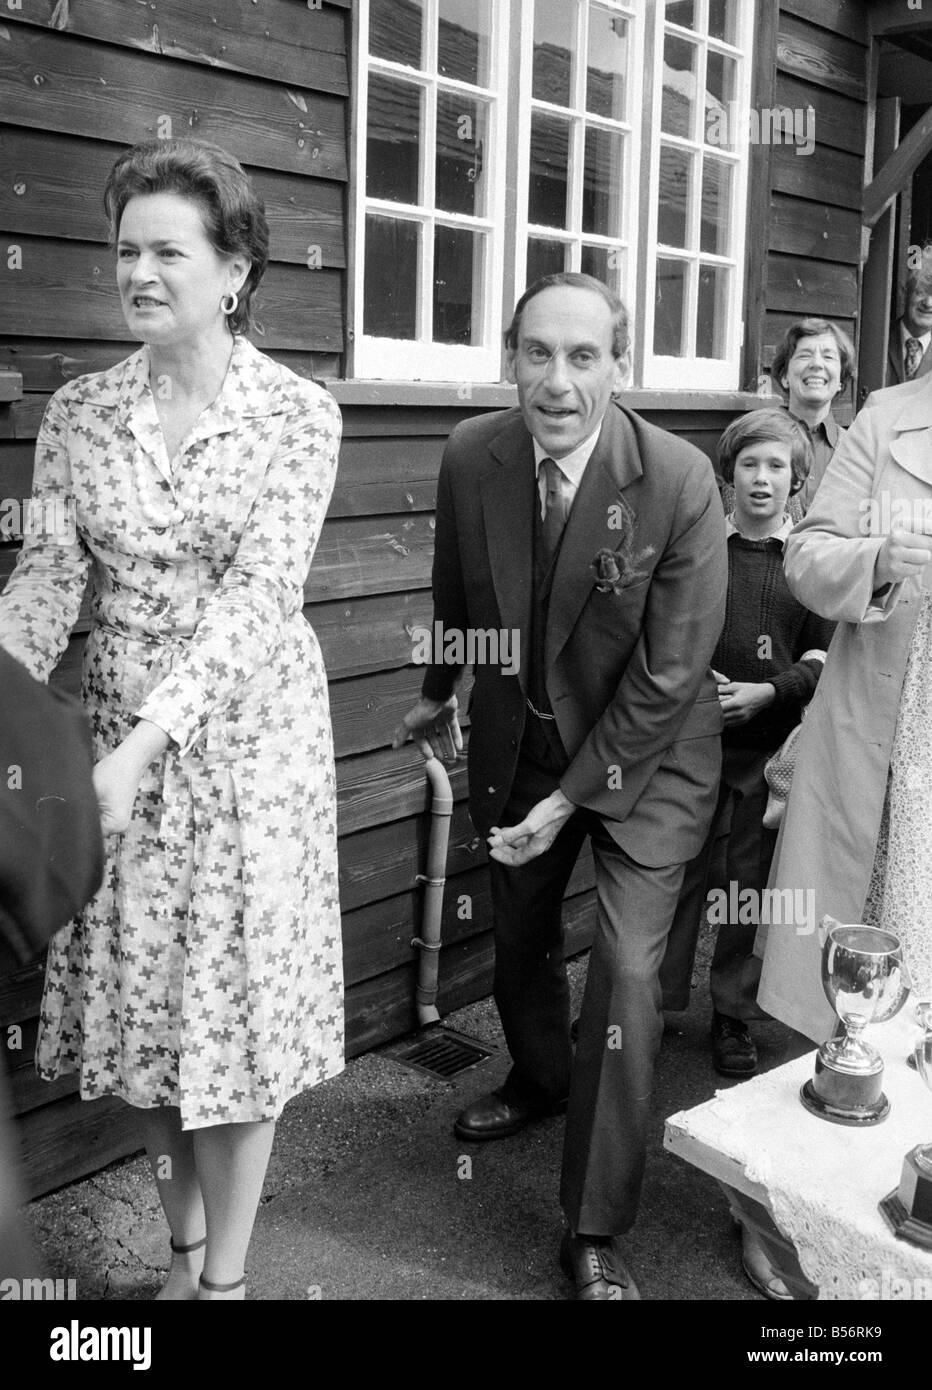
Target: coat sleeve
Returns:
[[830, 556], [51, 848], [42, 598], [683, 619], [243, 622]]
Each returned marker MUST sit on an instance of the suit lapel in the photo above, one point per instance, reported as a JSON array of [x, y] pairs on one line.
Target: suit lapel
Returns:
[[911, 445], [614, 464], [507, 505]]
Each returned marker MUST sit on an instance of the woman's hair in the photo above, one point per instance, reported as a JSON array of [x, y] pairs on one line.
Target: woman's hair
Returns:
[[812, 328], [577, 281], [233, 213], [764, 426]]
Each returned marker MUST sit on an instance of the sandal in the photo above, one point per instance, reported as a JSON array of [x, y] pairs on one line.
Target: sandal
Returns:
[[221, 1288], [187, 1249]]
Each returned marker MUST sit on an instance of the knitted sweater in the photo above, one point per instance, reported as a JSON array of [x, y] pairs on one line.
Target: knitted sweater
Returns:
[[766, 632]]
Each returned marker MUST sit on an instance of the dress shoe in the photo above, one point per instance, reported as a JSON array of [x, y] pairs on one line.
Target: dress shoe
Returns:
[[497, 1116], [757, 1266], [733, 1050], [596, 1267]]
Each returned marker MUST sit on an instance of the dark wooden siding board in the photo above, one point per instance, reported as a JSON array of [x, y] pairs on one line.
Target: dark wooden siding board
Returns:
[[826, 176], [387, 785], [806, 287], [370, 633], [384, 859], [801, 228], [827, 59], [72, 1138], [366, 709], [52, 81], [66, 287], [848, 17], [840, 121], [356, 555], [52, 186], [277, 40]]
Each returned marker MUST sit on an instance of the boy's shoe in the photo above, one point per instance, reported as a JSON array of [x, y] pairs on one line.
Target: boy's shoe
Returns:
[[733, 1050]]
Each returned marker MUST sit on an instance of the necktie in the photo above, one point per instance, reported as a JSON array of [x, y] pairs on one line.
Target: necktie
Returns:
[[556, 506], [913, 356]]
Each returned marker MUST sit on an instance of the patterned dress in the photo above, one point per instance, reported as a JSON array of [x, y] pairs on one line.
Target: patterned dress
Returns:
[[207, 971], [899, 897]]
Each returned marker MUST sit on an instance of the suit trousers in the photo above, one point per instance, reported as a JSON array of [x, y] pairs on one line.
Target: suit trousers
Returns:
[[735, 972], [621, 1023]]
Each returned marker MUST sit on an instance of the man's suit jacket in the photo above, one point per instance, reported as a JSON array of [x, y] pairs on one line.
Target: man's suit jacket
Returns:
[[896, 367], [627, 672], [51, 849]]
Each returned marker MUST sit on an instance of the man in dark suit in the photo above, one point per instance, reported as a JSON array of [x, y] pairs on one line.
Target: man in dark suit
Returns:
[[51, 863], [596, 543], [909, 353]]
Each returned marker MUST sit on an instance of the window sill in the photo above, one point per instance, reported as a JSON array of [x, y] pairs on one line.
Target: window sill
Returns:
[[490, 395]]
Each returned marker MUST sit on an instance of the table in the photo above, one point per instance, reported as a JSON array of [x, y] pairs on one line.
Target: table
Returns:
[[810, 1188]]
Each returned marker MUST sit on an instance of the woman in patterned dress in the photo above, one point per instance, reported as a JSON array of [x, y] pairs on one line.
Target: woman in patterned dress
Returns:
[[203, 983], [857, 831]]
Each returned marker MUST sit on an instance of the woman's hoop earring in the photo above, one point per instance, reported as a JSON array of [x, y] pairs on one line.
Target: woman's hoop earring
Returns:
[[232, 307]]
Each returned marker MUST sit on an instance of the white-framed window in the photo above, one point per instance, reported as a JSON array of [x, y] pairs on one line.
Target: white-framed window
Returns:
[[697, 191], [430, 173], [579, 140], [501, 140]]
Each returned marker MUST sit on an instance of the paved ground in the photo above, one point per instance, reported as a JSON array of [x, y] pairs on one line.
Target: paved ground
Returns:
[[370, 1196]]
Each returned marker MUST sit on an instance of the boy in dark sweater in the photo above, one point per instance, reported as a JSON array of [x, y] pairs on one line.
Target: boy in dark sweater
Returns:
[[767, 663]]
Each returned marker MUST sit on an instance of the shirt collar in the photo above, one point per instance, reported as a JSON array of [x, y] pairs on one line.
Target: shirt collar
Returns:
[[905, 335], [780, 535], [829, 426], [573, 466]]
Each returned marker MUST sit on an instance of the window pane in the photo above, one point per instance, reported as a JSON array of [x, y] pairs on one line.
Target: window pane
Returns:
[[720, 101], [462, 136], [390, 301], [602, 182], [393, 133], [669, 329], [459, 258], [712, 310], [681, 12], [723, 20], [716, 207], [679, 86], [550, 145], [607, 65], [554, 41], [464, 40], [673, 206], [606, 263], [395, 28], [544, 258]]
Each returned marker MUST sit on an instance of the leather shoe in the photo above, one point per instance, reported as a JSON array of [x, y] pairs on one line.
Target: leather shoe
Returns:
[[757, 1266], [596, 1267], [497, 1116], [733, 1050]]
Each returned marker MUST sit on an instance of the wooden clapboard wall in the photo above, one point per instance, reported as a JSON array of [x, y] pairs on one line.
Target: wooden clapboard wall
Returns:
[[805, 221]]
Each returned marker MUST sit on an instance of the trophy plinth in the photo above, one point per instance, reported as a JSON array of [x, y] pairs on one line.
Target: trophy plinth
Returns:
[[908, 1210], [865, 981], [844, 1096]]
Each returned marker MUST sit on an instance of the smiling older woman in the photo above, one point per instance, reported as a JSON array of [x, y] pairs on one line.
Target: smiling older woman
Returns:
[[203, 983]]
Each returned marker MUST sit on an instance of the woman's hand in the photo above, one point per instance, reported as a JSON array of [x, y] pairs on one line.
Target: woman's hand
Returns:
[[117, 776], [741, 700], [902, 554]]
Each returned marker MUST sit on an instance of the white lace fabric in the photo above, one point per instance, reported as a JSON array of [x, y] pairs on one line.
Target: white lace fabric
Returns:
[[824, 1180]]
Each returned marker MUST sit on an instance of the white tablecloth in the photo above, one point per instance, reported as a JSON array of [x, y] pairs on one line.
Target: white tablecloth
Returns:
[[824, 1180]]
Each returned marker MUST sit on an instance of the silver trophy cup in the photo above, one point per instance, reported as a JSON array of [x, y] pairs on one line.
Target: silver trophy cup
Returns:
[[908, 1210], [865, 981]]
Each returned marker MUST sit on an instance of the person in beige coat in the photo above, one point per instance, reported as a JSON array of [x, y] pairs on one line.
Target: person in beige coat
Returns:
[[856, 839]]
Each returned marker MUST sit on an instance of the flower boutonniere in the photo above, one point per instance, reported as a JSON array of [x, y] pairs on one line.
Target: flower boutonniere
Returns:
[[620, 568]]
